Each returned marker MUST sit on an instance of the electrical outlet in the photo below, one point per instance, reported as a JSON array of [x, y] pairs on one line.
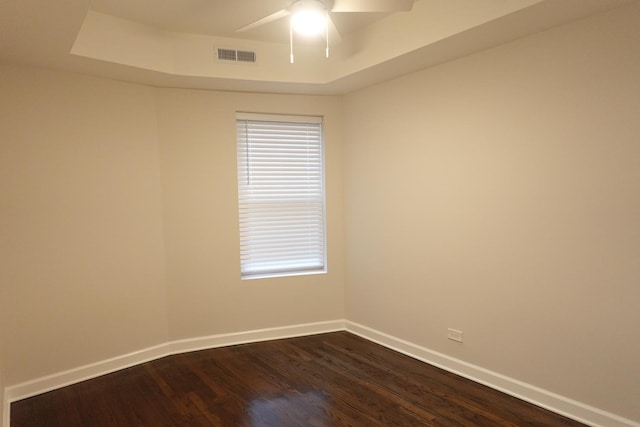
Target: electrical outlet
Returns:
[[454, 335]]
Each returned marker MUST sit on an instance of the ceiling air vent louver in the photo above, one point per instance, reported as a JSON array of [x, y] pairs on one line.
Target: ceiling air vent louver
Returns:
[[236, 55], [227, 54], [246, 56]]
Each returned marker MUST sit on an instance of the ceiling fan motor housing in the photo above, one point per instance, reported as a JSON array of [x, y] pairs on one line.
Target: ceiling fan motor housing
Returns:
[[309, 17]]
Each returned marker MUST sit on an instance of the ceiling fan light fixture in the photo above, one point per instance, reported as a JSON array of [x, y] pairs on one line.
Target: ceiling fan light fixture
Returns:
[[309, 18]]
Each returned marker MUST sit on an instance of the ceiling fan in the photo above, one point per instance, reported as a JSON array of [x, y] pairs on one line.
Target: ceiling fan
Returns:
[[312, 17]]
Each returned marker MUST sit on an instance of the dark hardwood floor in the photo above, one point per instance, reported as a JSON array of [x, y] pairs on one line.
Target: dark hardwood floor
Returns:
[[335, 379]]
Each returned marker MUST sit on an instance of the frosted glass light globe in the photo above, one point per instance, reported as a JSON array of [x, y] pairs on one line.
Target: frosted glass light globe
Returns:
[[309, 21]]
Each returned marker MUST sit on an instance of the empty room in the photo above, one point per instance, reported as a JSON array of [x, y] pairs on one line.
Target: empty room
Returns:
[[320, 213]]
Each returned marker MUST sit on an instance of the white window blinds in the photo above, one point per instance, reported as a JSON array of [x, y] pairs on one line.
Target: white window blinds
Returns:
[[281, 195]]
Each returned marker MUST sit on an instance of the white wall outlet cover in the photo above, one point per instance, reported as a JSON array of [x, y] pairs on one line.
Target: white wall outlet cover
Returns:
[[454, 335]]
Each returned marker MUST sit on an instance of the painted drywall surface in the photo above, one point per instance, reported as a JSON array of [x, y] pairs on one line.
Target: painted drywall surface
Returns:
[[84, 220], [1, 356], [82, 251], [500, 195], [198, 158], [1, 379]]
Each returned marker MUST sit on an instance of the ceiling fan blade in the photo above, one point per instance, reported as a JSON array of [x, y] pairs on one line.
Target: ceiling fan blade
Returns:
[[274, 16], [371, 5], [334, 34]]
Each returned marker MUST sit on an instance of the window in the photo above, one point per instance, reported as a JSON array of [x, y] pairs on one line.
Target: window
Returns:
[[281, 195]]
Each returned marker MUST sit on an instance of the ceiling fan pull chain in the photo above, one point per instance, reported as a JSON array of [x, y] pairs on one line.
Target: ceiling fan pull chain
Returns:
[[291, 41], [326, 27]]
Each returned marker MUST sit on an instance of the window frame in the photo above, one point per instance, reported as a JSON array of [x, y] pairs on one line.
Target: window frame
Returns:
[[248, 271]]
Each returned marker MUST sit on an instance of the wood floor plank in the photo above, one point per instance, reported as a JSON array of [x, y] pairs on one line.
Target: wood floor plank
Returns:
[[335, 379]]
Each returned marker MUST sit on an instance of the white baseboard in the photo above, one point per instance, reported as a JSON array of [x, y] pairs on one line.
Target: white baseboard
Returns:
[[559, 404], [203, 343], [93, 370], [82, 373]]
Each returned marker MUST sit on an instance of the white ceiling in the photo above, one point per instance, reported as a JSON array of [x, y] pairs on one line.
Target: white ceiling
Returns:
[[172, 42], [220, 17]]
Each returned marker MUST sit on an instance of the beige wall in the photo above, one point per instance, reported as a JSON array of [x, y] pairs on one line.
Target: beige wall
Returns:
[[81, 221], [198, 162], [2, 414], [116, 196], [500, 195]]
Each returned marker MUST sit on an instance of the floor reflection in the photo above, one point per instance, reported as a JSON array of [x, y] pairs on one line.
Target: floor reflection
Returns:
[[296, 409]]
